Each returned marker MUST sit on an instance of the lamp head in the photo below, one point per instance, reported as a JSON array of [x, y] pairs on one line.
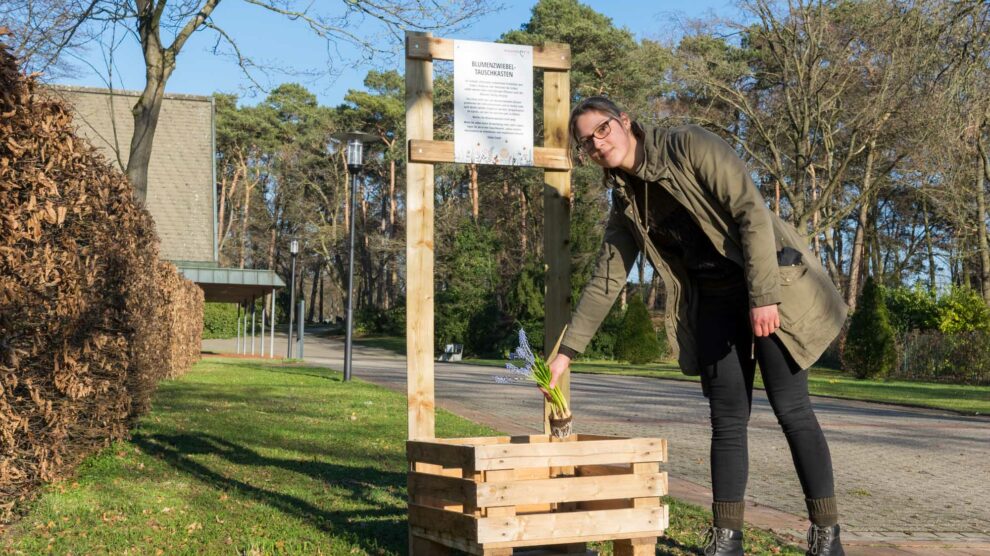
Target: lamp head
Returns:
[[354, 143], [294, 247]]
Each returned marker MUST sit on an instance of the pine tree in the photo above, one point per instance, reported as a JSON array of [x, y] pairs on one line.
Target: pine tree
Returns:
[[870, 351], [637, 342]]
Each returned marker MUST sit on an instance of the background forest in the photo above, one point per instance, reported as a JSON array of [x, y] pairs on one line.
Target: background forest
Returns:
[[866, 125]]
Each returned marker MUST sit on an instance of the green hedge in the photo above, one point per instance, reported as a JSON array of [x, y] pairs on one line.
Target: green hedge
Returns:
[[219, 320]]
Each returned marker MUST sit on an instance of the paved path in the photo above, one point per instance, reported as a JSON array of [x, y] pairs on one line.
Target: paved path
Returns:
[[909, 481]]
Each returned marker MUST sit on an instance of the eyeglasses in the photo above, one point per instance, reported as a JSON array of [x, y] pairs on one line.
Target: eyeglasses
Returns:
[[600, 132]]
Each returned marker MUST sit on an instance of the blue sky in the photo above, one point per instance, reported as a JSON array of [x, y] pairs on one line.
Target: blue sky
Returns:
[[286, 43]]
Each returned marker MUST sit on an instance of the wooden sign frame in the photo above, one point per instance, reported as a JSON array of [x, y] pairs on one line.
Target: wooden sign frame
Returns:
[[422, 153]]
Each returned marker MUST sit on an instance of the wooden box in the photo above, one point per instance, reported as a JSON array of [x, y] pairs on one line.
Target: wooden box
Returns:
[[488, 496]]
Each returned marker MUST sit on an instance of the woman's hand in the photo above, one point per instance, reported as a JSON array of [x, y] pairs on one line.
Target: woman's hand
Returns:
[[765, 320], [558, 366]]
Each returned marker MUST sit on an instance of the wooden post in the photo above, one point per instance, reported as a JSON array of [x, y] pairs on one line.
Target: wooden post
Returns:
[[419, 248], [556, 213]]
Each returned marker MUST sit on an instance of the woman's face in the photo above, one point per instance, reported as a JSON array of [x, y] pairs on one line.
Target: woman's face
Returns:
[[606, 139]]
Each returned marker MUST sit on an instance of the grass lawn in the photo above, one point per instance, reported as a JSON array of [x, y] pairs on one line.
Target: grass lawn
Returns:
[[973, 400], [245, 457]]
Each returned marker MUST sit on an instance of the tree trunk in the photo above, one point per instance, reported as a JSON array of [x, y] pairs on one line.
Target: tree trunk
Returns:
[[146, 111], [523, 216], [856, 264], [311, 310], [244, 222], [473, 169], [981, 219], [929, 246]]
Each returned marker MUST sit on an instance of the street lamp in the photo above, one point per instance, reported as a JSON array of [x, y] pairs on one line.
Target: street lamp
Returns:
[[294, 250], [355, 141]]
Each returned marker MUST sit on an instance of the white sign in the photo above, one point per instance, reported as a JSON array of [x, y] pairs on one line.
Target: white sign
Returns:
[[493, 103]]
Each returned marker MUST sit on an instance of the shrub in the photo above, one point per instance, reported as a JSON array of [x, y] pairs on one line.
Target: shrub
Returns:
[[219, 320], [602, 344], [961, 358], [912, 308], [637, 340], [961, 309], [90, 319], [870, 350], [374, 320]]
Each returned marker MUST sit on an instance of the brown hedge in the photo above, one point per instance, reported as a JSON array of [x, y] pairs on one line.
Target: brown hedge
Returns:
[[90, 319]]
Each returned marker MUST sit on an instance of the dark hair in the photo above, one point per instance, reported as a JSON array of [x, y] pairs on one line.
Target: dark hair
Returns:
[[596, 104]]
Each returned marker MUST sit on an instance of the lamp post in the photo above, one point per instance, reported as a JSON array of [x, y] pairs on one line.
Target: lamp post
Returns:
[[294, 250], [355, 141]]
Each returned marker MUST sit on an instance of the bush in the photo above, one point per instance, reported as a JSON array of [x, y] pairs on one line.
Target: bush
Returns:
[[870, 350], [374, 320], [912, 308], [90, 319], [602, 344], [960, 358], [637, 340], [962, 310], [219, 320]]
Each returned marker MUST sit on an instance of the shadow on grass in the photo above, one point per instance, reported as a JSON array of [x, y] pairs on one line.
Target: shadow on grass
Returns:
[[373, 528]]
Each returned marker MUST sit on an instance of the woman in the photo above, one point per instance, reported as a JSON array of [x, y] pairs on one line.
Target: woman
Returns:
[[741, 288]]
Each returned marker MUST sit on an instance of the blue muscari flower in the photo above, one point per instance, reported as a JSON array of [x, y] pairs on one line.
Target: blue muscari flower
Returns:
[[522, 353]]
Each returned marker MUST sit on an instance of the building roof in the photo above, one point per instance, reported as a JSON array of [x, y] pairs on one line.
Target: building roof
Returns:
[[231, 285], [181, 176]]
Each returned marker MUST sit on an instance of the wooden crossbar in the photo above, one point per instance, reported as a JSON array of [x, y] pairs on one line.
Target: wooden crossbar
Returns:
[[549, 56], [548, 158]]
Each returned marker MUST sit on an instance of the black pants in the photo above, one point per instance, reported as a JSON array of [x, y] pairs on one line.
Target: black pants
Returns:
[[725, 341]]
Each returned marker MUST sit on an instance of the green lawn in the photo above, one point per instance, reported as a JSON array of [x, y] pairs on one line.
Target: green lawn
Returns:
[[973, 400], [242, 457]]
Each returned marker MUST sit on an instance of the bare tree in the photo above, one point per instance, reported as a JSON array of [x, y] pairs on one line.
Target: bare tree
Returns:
[[162, 28]]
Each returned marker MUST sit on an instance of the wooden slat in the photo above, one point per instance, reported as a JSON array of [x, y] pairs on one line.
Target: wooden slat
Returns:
[[454, 524], [602, 470], [445, 539], [506, 456], [549, 56], [447, 455], [419, 546], [432, 152], [552, 552], [570, 489], [643, 546], [453, 489], [560, 528], [556, 223], [419, 253]]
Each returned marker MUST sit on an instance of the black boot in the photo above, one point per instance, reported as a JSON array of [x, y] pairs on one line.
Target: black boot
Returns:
[[723, 542], [824, 541]]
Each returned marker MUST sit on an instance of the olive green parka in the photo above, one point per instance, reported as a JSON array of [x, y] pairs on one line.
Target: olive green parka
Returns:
[[703, 173]]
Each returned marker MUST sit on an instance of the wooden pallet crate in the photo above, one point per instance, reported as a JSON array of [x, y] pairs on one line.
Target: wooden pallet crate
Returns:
[[488, 496]]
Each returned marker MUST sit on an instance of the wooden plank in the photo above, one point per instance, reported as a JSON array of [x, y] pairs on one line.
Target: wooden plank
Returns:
[[561, 528], [455, 524], [549, 56], [446, 539], [602, 470], [585, 437], [552, 552], [432, 152], [506, 456], [556, 221], [419, 546], [419, 252], [570, 489], [448, 488], [445, 455], [642, 546]]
